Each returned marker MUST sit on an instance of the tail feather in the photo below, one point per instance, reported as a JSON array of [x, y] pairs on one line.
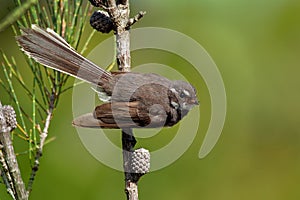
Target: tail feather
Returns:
[[51, 50]]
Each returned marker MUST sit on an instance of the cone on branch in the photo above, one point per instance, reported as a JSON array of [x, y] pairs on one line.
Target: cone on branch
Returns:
[[9, 115], [140, 161], [100, 20]]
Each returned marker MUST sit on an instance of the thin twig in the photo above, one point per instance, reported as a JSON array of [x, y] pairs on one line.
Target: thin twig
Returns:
[[39, 152], [43, 137], [135, 19]]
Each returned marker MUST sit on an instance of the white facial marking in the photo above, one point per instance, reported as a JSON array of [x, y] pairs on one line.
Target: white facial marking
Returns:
[[174, 104], [186, 93], [173, 90]]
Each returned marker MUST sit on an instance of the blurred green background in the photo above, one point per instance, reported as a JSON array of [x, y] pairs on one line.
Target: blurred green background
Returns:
[[256, 45]]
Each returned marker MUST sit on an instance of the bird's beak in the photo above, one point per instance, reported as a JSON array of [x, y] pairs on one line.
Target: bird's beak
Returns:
[[194, 102]]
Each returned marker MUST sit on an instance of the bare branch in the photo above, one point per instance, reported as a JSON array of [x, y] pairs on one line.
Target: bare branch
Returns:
[[6, 175], [39, 153], [128, 143], [116, 17], [7, 124], [135, 19], [119, 13], [120, 16]]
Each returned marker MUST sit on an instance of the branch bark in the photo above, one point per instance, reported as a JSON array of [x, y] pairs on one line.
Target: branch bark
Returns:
[[119, 14], [128, 143], [116, 17], [8, 157]]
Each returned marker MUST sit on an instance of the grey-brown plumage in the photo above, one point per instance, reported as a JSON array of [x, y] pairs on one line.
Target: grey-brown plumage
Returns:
[[136, 99]]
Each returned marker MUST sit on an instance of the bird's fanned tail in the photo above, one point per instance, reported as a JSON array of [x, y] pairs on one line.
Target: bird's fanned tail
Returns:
[[51, 50]]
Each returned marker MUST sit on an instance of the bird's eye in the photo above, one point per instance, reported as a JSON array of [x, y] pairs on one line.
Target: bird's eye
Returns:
[[182, 95]]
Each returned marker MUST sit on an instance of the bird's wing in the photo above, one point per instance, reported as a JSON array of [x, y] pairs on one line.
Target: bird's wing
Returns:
[[122, 115]]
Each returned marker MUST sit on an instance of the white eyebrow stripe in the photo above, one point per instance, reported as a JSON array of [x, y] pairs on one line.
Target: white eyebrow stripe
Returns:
[[186, 92]]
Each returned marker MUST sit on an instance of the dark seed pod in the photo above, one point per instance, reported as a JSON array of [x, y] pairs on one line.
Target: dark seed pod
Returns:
[[98, 3], [100, 20]]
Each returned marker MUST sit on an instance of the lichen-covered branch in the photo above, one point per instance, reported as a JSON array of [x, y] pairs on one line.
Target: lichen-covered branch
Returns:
[[119, 14], [128, 143], [7, 180], [136, 18], [8, 158]]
